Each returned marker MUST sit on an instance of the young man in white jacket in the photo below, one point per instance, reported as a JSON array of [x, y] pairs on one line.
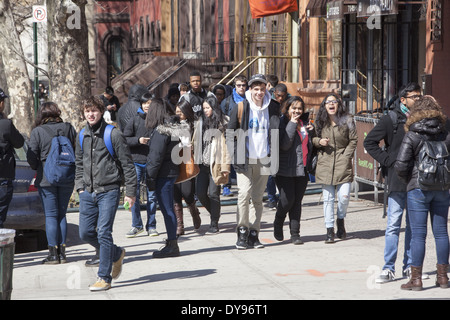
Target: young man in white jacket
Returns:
[[251, 134]]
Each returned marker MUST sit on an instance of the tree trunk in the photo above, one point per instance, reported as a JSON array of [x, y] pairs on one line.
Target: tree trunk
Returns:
[[68, 57], [20, 90]]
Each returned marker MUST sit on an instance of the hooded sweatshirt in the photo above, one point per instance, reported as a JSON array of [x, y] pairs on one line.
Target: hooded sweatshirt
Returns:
[[258, 128]]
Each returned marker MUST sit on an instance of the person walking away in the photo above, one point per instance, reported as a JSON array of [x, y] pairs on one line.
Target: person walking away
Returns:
[[248, 138], [129, 109], [211, 154], [165, 132], [186, 189], [336, 141], [54, 197], [390, 130], [98, 178], [292, 176], [10, 138], [427, 186], [137, 136]]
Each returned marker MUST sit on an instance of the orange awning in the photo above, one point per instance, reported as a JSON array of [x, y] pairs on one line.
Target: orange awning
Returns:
[[261, 9]]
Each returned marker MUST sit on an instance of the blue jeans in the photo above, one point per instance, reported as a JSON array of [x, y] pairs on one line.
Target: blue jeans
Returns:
[[396, 205], [55, 201], [97, 213], [164, 194], [271, 189], [136, 220], [343, 195], [420, 202]]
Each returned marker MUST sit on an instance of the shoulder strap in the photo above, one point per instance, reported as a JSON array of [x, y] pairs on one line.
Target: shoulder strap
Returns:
[[106, 139]]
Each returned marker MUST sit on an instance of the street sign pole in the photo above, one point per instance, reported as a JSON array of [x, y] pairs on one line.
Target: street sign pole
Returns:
[[36, 77]]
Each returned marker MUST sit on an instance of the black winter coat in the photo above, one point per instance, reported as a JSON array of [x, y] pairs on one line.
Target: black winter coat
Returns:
[[129, 109], [133, 131], [384, 131], [164, 138], [424, 129], [10, 138]]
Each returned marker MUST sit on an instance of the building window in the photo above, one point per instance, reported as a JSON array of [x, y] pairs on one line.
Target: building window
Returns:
[[436, 20], [115, 58], [336, 48], [322, 49]]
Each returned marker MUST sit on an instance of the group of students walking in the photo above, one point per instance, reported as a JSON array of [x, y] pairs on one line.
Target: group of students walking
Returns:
[[256, 136]]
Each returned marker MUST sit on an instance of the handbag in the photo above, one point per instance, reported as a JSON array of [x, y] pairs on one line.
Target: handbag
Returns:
[[312, 161], [188, 170]]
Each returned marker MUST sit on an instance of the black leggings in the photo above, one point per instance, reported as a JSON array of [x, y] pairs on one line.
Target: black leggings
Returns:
[[291, 190], [184, 190]]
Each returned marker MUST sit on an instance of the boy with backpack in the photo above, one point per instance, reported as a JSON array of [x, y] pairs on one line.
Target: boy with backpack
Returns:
[[98, 177]]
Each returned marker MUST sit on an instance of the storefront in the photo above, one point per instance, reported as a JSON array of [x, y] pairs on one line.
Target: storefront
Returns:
[[383, 47]]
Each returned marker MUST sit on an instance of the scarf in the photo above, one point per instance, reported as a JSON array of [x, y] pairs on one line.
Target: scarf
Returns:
[[236, 97]]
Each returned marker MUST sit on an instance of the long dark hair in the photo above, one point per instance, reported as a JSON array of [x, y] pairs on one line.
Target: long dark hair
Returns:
[[158, 113], [49, 111], [217, 119], [186, 109], [322, 120]]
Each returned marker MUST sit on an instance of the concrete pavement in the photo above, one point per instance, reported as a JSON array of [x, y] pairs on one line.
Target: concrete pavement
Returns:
[[211, 268]]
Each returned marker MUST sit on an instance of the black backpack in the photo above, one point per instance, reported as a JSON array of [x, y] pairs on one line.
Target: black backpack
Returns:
[[433, 166]]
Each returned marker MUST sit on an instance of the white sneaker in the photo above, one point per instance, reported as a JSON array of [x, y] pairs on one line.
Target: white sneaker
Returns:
[[386, 275]]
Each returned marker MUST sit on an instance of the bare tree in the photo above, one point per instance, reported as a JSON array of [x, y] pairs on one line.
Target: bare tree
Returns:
[[68, 56], [19, 85]]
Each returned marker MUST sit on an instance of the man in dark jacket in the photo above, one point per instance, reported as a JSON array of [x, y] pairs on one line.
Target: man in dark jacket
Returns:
[[390, 129], [255, 126], [111, 102], [129, 109], [10, 138], [98, 177], [196, 94]]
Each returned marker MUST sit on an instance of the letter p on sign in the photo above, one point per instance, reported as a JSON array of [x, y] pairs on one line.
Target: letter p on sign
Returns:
[[39, 14]]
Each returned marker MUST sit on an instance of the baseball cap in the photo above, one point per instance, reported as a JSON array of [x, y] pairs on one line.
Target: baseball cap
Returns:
[[3, 94], [257, 78]]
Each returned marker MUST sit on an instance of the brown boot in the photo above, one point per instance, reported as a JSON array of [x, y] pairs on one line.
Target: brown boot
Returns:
[[441, 276], [178, 208], [415, 283], [195, 215]]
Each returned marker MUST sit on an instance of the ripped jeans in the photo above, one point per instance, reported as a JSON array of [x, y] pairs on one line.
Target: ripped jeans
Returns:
[[343, 197]]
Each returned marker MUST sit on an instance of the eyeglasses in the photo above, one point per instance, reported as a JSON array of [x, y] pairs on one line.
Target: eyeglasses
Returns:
[[414, 97], [331, 101]]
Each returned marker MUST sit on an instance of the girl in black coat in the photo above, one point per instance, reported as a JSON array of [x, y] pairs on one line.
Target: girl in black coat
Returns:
[[292, 176], [55, 199], [162, 172]]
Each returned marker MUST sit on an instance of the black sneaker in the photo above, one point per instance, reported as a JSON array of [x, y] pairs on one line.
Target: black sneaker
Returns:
[[94, 261], [253, 241], [242, 241]]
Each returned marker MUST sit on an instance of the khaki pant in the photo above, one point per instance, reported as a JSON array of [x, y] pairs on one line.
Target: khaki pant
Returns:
[[251, 185]]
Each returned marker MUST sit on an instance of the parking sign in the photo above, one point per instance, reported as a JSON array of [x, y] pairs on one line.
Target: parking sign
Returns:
[[39, 14]]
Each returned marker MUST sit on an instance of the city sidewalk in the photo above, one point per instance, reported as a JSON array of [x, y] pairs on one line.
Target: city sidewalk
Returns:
[[211, 268]]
